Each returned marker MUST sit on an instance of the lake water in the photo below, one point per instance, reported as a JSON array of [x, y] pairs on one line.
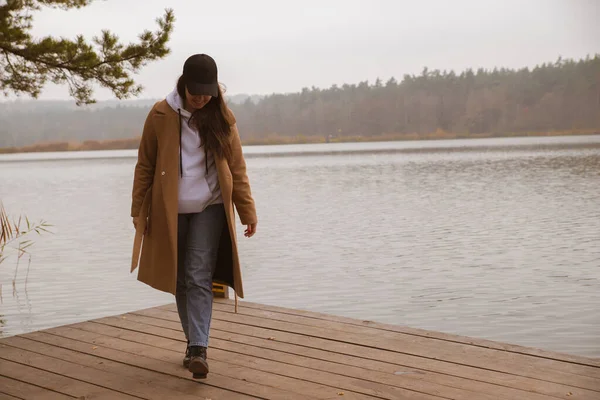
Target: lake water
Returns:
[[490, 238]]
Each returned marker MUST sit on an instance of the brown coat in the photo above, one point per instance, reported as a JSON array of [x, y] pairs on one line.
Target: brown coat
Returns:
[[155, 203]]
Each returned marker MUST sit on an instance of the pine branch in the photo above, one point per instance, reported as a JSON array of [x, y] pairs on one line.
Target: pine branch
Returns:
[[27, 64]]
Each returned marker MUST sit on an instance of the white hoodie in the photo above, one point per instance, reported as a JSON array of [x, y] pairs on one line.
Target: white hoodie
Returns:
[[198, 187]]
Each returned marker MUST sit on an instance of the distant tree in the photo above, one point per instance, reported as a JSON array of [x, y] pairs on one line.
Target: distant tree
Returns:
[[27, 63], [556, 97]]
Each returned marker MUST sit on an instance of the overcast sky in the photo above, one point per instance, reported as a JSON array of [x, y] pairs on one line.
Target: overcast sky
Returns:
[[266, 46]]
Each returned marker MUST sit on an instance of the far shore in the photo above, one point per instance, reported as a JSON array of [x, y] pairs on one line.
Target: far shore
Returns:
[[133, 143]]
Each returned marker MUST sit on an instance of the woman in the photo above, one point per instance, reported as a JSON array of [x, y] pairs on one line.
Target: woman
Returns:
[[189, 174]]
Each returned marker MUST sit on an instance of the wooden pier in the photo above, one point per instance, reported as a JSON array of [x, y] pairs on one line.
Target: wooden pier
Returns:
[[266, 352]]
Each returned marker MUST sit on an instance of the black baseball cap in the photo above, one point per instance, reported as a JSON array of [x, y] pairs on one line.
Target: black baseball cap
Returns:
[[200, 75]]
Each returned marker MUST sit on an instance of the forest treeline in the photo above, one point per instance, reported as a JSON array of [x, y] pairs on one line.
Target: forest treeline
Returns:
[[560, 97]]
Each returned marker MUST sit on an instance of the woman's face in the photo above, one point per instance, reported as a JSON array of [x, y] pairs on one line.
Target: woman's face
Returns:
[[196, 102]]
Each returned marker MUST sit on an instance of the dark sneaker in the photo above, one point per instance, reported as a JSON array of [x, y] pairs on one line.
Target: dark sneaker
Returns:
[[186, 358], [198, 365]]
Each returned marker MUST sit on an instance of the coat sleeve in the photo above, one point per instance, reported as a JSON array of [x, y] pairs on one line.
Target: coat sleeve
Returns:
[[242, 195], [146, 164]]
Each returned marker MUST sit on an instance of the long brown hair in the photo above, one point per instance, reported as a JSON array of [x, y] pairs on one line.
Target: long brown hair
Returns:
[[212, 122]]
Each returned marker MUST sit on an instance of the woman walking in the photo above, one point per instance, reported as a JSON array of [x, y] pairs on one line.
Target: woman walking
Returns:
[[189, 175]]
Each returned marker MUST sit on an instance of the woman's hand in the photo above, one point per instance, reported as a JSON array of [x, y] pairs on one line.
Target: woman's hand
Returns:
[[250, 230]]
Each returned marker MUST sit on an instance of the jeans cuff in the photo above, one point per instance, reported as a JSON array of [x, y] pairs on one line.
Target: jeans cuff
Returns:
[[199, 344]]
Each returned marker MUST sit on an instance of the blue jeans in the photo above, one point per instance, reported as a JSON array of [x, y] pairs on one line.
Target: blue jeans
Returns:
[[198, 237]]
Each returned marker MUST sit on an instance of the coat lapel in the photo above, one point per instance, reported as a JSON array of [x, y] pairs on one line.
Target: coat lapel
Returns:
[[167, 167]]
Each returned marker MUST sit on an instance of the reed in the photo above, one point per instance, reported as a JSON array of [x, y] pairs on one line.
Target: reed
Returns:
[[14, 235]]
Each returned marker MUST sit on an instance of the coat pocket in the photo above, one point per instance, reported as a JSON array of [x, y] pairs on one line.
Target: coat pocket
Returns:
[[144, 216]]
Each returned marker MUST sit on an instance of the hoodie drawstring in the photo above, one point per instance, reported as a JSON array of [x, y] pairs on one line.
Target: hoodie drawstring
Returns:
[[180, 157], [205, 160]]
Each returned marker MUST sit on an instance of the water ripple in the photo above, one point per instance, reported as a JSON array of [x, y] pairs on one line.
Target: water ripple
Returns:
[[503, 245]]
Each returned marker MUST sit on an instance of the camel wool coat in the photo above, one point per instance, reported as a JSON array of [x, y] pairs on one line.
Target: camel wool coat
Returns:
[[155, 203]]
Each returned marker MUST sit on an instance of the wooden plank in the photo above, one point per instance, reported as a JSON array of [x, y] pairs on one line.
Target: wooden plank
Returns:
[[508, 380], [424, 381], [286, 367], [270, 352], [54, 382], [172, 368], [21, 390], [128, 341], [93, 356], [117, 383], [533, 367], [398, 359], [595, 362], [4, 396], [276, 375], [360, 368], [409, 380], [450, 352], [312, 317]]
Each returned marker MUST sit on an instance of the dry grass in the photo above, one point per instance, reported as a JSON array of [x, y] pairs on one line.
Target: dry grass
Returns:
[[6, 229], [88, 145], [133, 143], [15, 230], [12, 235], [392, 137]]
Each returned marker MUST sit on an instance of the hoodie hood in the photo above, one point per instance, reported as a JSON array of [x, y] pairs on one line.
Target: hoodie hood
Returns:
[[176, 103]]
